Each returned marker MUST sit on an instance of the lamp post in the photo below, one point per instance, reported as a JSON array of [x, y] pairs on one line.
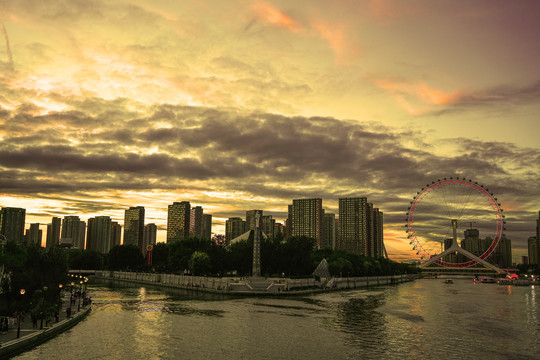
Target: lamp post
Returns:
[[22, 291], [80, 295]]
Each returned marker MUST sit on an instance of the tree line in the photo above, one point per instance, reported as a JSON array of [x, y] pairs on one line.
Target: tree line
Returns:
[[32, 280], [296, 257]]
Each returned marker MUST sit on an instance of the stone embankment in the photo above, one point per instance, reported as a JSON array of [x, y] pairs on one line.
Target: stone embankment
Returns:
[[253, 285]]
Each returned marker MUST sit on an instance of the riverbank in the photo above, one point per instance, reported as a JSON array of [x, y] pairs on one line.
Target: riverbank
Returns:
[[253, 286], [30, 337]]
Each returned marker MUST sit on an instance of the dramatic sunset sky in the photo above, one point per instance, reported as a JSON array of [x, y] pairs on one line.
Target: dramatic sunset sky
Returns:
[[246, 104]]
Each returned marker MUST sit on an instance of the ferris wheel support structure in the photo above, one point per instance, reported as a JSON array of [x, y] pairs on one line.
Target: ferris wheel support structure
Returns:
[[455, 248]]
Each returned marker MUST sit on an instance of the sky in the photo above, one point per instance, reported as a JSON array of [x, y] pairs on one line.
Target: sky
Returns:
[[238, 105]]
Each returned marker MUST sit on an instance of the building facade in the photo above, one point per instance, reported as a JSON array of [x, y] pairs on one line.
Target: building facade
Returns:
[[196, 222], [12, 221], [352, 225], [53, 232], [34, 234], [329, 233], [116, 234], [234, 227], [266, 224], [134, 226], [99, 233], [178, 221], [150, 234], [207, 226], [250, 219], [75, 229], [307, 218]]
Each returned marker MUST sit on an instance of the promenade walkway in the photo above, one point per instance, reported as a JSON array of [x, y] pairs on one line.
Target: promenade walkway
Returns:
[[27, 329]]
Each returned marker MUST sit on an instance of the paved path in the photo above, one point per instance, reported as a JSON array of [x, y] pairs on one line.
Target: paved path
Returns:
[[26, 324]]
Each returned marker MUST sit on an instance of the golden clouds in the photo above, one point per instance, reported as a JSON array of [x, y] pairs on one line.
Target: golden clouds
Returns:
[[417, 97]]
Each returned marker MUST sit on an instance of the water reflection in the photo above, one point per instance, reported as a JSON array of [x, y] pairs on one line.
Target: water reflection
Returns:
[[422, 320]]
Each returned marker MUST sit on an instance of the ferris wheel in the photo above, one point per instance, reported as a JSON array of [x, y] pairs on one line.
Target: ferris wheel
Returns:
[[444, 207]]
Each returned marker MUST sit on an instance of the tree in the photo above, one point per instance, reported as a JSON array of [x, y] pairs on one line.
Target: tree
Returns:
[[160, 256], [199, 263], [125, 257]]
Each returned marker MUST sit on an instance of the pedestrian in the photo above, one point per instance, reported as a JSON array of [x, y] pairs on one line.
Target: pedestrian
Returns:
[[68, 312], [34, 320]]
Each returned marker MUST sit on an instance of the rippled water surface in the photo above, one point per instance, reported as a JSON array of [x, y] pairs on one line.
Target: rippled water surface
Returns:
[[425, 319]]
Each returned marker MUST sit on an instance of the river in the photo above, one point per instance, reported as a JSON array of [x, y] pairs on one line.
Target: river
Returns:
[[424, 319]]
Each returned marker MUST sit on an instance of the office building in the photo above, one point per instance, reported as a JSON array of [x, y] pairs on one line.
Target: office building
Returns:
[[98, 235], [75, 229], [12, 222], [207, 226], [352, 225], [196, 222], [134, 226], [178, 221], [234, 227], [307, 215], [53, 232]]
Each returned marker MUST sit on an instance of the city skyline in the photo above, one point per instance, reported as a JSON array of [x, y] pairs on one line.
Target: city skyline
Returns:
[[246, 105]]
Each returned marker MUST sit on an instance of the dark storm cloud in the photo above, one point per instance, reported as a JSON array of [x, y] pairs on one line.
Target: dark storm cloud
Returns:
[[100, 149]]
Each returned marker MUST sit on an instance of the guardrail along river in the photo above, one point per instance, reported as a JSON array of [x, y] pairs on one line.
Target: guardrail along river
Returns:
[[423, 319]]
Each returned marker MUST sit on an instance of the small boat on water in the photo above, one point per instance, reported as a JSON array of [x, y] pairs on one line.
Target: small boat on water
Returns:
[[487, 280], [448, 281], [504, 281]]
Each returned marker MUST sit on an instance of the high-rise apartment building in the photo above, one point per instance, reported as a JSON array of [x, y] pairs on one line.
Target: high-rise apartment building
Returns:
[[34, 234], [98, 235], [116, 234], [288, 222], [207, 226], [352, 225], [532, 247], [150, 234], [196, 222], [178, 221], [12, 223], [370, 231], [307, 215], [234, 227], [74, 228], [538, 239], [53, 232], [378, 218], [329, 232], [266, 224], [250, 219], [134, 226], [279, 231]]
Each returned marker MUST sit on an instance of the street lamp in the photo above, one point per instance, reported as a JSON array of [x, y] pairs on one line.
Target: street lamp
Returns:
[[80, 295], [22, 292]]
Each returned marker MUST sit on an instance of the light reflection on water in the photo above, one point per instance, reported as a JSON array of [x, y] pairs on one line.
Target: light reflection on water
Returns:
[[425, 319]]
